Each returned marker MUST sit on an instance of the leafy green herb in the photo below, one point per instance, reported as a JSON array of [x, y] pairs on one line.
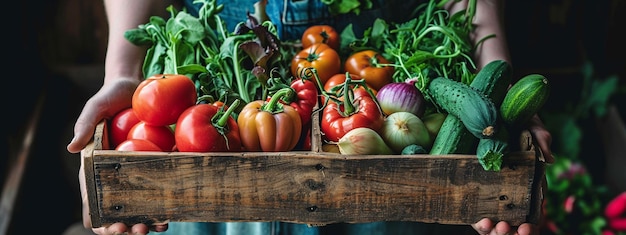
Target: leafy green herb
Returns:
[[223, 64], [434, 43], [337, 7]]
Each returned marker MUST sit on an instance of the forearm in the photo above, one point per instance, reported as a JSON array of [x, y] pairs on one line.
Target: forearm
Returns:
[[124, 59], [488, 22]]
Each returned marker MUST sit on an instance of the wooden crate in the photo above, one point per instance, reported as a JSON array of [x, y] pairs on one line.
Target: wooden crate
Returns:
[[312, 187]]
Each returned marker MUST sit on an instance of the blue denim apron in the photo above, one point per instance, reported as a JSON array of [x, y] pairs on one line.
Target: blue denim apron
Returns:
[[292, 17]]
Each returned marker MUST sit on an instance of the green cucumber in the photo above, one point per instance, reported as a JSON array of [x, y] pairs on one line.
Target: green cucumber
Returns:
[[524, 99], [453, 137], [475, 110], [491, 151], [492, 80]]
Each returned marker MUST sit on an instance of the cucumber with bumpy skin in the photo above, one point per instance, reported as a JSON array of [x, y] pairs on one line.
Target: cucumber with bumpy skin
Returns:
[[475, 110], [492, 80]]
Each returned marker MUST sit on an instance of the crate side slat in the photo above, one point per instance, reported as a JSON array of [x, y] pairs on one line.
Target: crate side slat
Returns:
[[316, 137], [87, 171], [308, 187], [539, 180]]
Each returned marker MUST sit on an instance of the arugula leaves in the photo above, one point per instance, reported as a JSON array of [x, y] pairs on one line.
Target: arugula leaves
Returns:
[[432, 44]]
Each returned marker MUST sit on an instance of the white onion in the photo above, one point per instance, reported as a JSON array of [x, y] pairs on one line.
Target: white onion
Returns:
[[362, 141], [401, 96], [402, 129]]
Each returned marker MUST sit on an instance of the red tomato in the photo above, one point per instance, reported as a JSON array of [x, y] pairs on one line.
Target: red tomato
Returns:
[[196, 131], [321, 33], [120, 125], [160, 99], [320, 57], [370, 65], [137, 145], [336, 122], [162, 136]]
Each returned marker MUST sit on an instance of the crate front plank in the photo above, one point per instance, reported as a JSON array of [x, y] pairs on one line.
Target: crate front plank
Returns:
[[307, 187]]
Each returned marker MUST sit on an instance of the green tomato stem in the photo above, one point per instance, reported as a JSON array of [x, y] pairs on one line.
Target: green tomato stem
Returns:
[[271, 106], [221, 118], [348, 96]]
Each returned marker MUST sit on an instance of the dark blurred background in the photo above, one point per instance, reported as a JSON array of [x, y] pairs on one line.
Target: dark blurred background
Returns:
[[58, 48]]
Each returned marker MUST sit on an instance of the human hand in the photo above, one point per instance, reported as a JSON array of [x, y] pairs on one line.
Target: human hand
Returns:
[[487, 227], [541, 137], [114, 96], [116, 228]]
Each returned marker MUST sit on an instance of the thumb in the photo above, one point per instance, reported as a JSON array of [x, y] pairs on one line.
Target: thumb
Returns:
[[84, 128]]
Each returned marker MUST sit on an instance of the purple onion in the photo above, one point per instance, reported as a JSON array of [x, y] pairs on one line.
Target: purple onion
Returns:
[[401, 96]]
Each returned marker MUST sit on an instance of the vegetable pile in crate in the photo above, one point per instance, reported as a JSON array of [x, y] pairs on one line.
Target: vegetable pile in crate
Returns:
[[240, 126]]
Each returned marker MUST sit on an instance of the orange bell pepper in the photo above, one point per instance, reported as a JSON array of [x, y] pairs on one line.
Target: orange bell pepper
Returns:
[[269, 126]]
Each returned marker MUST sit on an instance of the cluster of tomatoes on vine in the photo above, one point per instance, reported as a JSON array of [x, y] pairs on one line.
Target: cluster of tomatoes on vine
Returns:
[[349, 85], [166, 115]]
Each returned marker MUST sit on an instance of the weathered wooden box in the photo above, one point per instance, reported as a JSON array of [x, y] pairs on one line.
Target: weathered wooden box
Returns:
[[312, 187]]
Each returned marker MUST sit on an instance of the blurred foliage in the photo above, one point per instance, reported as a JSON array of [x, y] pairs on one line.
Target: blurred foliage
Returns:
[[574, 203], [564, 124]]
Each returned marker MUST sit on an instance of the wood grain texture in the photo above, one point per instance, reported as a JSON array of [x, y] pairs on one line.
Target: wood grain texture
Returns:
[[87, 168], [308, 188]]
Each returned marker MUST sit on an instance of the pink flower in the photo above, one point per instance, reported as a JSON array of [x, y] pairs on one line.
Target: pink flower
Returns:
[[569, 204], [614, 212], [574, 170], [618, 224], [608, 232], [552, 226], [616, 207]]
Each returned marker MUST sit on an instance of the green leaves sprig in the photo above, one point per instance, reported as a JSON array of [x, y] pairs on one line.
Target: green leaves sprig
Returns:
[[203, 49], [435, 43]]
